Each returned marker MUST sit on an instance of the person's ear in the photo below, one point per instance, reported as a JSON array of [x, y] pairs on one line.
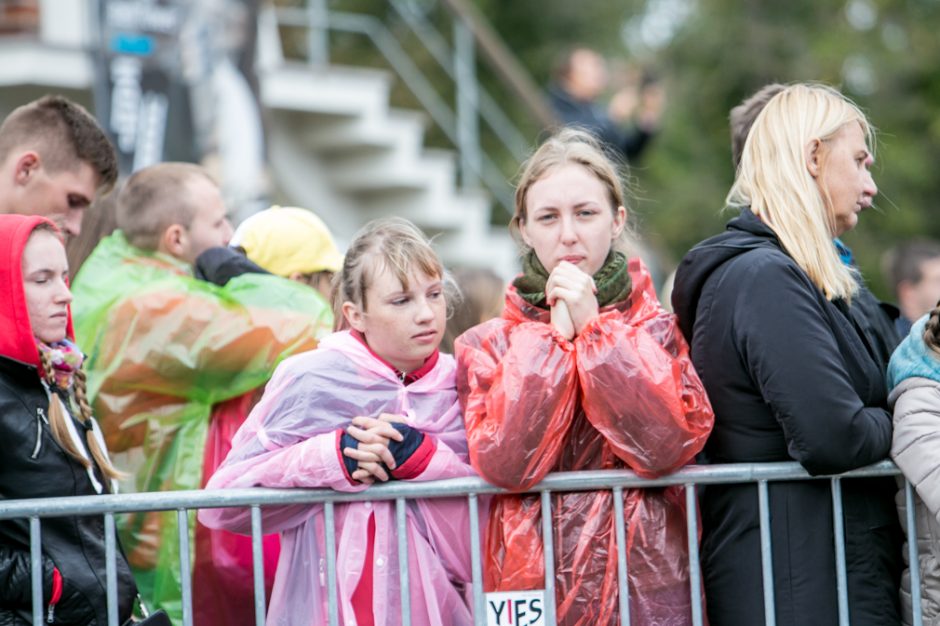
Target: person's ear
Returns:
[[173, 241], [26, 167], [814, 150], [524, 234], [354, 316], [620, 221]]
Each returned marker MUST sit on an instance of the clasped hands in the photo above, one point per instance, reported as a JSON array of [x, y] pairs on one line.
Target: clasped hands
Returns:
[[571, 294], [373, 435]]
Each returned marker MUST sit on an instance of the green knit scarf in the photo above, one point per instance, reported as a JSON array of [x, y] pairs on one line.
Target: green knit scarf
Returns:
[[612, 280]]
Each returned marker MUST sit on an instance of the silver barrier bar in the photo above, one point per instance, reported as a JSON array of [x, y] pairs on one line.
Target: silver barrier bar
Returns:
[[476, 566], [838, 527], [330, 523], [182, 522], [548, 549], [623, 585], [400, 511], [35, 564], [110, 568], [766, 554], [912, 559], [695, 569], [592, 480], [257, 563]]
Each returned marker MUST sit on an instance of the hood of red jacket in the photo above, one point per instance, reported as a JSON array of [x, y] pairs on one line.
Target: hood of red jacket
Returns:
[[16, 333]]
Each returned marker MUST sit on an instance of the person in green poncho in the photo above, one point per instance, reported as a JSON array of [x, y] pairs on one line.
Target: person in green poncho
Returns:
[[172, 357]]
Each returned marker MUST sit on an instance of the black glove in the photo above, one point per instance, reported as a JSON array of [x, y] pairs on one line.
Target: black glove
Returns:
[[220, 265], [412, 439]]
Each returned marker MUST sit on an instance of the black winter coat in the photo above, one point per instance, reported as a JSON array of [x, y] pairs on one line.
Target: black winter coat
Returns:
[[791, 376], [34, 466]]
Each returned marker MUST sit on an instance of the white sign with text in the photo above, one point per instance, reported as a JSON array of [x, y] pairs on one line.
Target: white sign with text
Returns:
[[515, 608]]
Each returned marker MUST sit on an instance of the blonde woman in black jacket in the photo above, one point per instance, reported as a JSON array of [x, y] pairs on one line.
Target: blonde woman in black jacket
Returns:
[[767, 309], [49, 443]]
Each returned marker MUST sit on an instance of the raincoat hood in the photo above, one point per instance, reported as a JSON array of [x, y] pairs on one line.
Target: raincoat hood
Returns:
[[16, 332], [742, 234], [913, 358]]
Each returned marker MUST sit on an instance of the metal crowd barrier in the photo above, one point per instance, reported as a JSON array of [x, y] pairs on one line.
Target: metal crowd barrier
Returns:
[[471, 488]]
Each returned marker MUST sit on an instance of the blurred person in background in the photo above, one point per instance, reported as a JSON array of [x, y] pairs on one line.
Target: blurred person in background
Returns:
[[583, 370], [293, 243], [767, 310], [912, 270], [99, 221], [630, 119], [54, 161], [481, 299], [171, 361]]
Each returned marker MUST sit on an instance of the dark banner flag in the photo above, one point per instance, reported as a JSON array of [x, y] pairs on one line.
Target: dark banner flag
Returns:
[[143, 99]]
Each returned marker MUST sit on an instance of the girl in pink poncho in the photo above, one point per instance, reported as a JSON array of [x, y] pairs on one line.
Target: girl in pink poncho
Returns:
[[374, 402]]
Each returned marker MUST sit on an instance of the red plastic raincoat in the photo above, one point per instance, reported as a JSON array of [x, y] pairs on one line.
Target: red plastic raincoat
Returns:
[[622, 394]]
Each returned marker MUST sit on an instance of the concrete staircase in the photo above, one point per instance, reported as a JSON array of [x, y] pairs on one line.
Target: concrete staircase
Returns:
[[337, 147]]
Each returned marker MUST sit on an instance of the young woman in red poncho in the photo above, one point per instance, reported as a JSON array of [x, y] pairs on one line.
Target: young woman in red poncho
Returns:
[[583, 371]]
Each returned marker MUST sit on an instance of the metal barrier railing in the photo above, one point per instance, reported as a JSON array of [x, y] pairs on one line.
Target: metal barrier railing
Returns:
[[610, 480]]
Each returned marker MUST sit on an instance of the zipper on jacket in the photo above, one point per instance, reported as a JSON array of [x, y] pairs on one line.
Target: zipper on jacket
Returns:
[[40, 418]]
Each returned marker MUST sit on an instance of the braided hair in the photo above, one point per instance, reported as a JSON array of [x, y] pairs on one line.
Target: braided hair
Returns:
[[58, 424]]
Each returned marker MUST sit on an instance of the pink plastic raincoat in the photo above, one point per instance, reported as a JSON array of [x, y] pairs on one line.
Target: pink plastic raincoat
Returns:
[[290, 440], [623, 394]]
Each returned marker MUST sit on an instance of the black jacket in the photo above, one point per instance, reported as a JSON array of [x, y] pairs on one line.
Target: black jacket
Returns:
[[791, 376], [34, 466]]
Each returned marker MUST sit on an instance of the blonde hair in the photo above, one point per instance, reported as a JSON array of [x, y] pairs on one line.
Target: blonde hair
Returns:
[[774, 182], [571, 146], [394, 244], [59, 427]]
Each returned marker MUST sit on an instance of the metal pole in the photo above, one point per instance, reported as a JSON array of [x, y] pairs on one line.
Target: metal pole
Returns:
[[548, 549], [766, 554], [110, 568], [622, 580], [182, 520], [476, 565], [400, 514], [695, 570], [468, 126], [330, 522], [838, 527], [913, 560], [257, 563], [318, 37], [35, 564]]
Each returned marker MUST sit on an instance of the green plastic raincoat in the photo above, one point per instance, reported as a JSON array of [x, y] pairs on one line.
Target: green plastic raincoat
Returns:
[[163, 348]]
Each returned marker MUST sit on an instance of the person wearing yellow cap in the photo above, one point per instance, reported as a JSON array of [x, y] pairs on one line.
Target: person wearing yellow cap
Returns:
[[291, 242]]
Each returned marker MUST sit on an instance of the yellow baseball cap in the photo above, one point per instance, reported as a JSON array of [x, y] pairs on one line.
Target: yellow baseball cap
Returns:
[[285, 240]]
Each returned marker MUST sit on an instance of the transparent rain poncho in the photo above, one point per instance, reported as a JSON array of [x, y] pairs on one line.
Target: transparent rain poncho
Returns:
[[623, 394], [291, 439], [163, 348]]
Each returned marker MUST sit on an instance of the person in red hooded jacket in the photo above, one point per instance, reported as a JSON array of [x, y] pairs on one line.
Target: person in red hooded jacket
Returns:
[[50, 444], [583, 371]]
